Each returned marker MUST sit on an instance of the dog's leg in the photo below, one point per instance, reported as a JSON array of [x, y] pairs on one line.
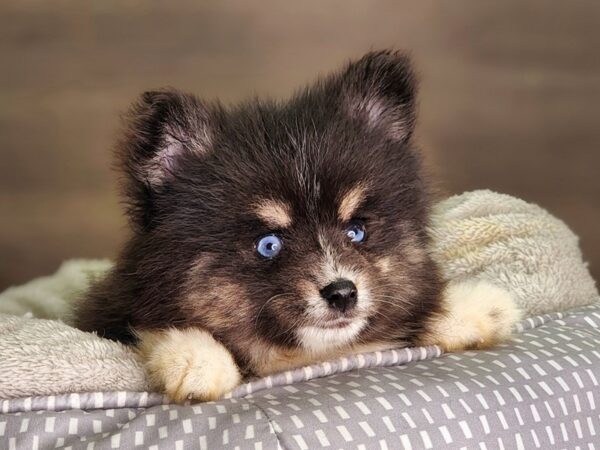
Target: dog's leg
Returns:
[[188, 364], [475, 315]]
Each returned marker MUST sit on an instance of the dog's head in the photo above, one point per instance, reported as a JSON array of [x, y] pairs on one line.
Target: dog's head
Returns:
[[302, 223]]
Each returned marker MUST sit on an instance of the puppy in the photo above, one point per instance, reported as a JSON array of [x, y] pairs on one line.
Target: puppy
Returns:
[[273, 235]]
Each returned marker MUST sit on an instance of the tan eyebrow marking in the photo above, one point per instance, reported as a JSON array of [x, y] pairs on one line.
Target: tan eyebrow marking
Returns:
[[274, 213], [384, 264], [351, 201]]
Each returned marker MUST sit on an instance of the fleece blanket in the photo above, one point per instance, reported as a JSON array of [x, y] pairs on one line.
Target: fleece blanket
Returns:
[[481, 235]]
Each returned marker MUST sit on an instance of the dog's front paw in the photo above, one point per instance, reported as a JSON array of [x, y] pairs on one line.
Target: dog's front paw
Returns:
[[188, 364], [475, 315]]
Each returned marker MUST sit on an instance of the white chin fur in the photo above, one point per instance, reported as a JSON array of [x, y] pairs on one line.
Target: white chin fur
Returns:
[[319, 340]]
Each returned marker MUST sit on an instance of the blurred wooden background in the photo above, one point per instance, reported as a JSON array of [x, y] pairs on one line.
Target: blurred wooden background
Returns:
[[510, 98]]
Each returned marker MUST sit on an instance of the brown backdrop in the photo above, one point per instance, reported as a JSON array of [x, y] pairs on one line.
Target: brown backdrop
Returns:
[[510, 98]]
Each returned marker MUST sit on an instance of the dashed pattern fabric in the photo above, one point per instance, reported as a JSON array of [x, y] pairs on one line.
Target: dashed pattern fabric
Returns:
[[539, 391]]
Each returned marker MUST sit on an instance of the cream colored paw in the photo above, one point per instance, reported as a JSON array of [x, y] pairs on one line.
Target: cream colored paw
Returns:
[[477, 314], [188, 364]]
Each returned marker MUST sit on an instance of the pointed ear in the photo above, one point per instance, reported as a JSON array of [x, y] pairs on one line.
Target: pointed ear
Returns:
[[380, 90], [162, 129]]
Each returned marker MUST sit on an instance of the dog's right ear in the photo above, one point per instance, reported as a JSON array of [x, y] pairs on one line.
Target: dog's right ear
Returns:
[[163, 129]]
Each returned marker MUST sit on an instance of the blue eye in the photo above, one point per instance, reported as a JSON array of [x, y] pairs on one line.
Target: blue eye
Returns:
[[269, 246], [356, 232]]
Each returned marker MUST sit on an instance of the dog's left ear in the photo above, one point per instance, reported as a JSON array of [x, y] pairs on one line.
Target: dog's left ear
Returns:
[[380, 89]]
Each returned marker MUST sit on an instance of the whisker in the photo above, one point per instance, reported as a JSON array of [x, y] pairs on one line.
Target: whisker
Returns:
[[267, 302], [294, 325], [398, 305]]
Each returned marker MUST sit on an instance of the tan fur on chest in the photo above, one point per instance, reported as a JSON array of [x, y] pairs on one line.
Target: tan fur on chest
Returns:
[[269, 360]]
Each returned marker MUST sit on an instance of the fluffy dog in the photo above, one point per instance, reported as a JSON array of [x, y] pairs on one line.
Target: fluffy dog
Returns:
[[271, 235]]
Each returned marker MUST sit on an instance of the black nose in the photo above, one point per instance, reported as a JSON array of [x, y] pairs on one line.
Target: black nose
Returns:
[[340, 294]]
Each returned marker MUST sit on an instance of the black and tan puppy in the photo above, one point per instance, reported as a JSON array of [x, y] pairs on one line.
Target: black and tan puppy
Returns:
[[272, 235]]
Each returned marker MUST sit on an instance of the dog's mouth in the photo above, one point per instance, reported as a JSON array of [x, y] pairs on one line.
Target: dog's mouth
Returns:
[[340, 322], [330, 334], [336, 320]]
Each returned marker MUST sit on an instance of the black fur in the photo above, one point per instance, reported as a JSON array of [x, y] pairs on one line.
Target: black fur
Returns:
[[194, 170]]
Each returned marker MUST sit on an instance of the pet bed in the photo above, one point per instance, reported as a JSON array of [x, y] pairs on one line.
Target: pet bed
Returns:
[[65, 388]]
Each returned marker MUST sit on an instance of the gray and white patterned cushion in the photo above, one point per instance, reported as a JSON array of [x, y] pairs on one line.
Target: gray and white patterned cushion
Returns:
[[539, 391]]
